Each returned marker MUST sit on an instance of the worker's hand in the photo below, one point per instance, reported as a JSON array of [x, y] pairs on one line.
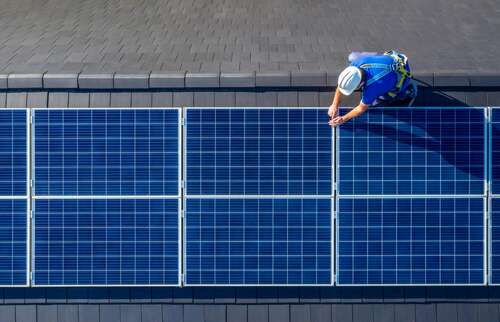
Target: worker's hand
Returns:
[[336, 121], [333, 111]]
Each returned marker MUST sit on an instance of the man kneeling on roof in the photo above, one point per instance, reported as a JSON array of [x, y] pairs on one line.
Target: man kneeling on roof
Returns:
[[384, 80]]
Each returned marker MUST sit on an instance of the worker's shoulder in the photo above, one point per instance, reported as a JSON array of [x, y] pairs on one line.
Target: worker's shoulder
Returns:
[[372, 59]]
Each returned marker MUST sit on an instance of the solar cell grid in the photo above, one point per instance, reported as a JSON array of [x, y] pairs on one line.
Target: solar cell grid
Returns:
[[272, 157], [410, 241], [106, 242], [252, 151], [424, 151], [495, 241], [13, 242], [13, 152], [258, 241], [119, 173], [13, 197], [495, 150], [494, 237], [107, 152]]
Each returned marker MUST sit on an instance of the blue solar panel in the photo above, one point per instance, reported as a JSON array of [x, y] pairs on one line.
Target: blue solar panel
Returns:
[[13, 242], [495, 241], [410, 241], [258, 152], [258, 241], [106, 152], [413, 151], [13, 183], [495, 150], [13, 152], [106, 242]]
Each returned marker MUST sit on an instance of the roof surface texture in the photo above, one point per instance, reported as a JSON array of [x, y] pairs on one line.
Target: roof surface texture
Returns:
[[241, 35]]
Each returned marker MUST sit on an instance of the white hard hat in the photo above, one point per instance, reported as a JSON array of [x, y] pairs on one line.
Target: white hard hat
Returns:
[[349, 80]]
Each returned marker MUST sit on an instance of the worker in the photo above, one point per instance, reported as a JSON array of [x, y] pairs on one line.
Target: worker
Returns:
[[383, 79]]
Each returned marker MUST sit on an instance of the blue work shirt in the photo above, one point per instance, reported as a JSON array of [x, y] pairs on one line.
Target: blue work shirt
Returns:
[[380, 87]]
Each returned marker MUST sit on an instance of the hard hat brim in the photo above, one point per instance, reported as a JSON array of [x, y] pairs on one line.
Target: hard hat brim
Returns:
[[345, 92]]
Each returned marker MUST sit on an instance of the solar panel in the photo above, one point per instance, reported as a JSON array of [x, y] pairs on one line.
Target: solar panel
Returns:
[[495, 241], [13, 152], [426, 151], [13, 197], [494, 235], [410, 241], [274, 157], [112, 152], [495, 150], [106, 197], [106, 242], [258, 241], [13, 242], [236, 151]]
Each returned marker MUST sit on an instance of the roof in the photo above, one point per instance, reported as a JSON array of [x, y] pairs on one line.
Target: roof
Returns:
[[243, 36]]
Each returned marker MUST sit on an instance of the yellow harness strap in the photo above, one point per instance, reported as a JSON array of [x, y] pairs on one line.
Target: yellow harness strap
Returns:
[[399, 67]]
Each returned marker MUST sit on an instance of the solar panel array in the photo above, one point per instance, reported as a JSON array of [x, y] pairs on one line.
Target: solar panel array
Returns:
[[107, 201], [13, 197], [107, 194], [411, 197], [258, 197]]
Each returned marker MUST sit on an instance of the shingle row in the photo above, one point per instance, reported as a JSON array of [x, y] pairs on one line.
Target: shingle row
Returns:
[[179, 80]]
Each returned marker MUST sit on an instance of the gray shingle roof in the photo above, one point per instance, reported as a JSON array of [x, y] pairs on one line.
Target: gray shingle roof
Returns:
[[131, 37]]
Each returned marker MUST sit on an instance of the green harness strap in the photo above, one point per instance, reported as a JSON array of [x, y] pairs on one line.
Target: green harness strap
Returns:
[[399, 67]]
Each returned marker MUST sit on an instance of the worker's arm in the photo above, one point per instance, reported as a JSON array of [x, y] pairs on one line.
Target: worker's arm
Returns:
[[355, 112], [334, 108]]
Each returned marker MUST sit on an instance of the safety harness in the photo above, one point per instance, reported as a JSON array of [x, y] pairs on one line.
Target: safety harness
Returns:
[[398, 66]]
